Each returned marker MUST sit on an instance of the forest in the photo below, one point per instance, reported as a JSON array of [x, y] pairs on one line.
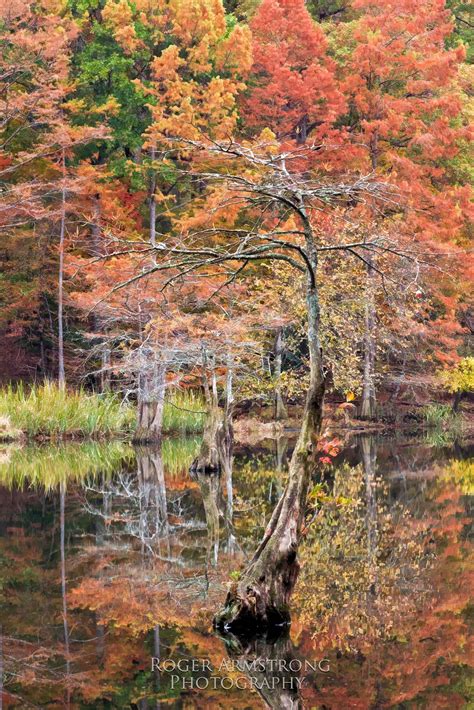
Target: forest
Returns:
[[225, 222]]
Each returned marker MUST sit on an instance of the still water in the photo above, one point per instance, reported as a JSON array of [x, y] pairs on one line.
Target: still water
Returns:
[[113, 561]]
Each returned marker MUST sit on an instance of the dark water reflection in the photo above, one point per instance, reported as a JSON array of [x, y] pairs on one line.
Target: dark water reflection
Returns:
[[111, 557]]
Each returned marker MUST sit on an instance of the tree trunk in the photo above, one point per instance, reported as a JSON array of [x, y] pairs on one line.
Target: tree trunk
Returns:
[[62, 232], [280, 409], [261, 598], [152, 200], [151, 401], [457, 401], [209, 459], [98, 324], [368, 407]]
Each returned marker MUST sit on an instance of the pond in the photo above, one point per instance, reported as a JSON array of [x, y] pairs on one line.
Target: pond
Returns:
[[113, 561]]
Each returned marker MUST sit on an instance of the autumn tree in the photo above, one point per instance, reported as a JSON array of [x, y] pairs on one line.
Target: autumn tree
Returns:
[[293, 90], [39, 139], [404, 121]]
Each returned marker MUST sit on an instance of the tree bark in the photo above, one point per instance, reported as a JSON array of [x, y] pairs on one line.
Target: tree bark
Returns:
[[62, 232], [98, 324], [151, 401], [261, 598], [369, 403], [280, 409]]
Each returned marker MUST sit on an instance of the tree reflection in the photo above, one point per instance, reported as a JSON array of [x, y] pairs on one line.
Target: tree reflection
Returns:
[[268, 662], [383, 592]]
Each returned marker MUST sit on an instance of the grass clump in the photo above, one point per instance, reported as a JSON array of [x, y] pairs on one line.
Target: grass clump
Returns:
[[47, 410], [438, 414], [184, 412]]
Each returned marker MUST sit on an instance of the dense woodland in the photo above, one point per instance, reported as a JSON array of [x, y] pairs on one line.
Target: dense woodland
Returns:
[[265, 202], [107, 111]]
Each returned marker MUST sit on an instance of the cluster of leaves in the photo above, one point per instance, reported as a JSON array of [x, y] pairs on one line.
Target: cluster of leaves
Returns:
[[459, 378]]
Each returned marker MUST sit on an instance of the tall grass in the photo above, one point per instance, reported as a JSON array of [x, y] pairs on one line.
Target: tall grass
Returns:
[[442, 416], [438, 414], [183, 412], [48, 410]]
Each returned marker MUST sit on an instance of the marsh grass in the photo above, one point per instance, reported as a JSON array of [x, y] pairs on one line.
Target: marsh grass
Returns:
[[443, 417], [46, 410], [50, 411], [183, 412]]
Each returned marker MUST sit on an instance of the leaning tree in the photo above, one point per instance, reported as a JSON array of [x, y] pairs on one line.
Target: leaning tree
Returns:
[[252, 204]]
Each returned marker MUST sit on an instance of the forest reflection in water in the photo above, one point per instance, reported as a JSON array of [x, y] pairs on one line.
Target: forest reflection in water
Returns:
[[111, 556]]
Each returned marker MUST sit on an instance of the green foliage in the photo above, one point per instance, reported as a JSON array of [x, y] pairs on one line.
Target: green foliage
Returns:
[[49, 411], [184, 412], [463, 16], [437, 414], [104, 74], [46, 410], [460, 378]]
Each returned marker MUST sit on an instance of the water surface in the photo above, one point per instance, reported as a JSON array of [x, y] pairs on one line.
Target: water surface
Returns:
[[112, 556]]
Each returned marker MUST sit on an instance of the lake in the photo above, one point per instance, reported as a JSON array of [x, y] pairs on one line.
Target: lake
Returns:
[[113, 561]]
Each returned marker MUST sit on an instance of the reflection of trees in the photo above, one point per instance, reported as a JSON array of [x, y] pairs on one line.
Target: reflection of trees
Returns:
[[364, 560], [384, 592], [369, 458], [62, 545], [209, 484], [134, 502], [268, 659], [405, 645], [216, 508]]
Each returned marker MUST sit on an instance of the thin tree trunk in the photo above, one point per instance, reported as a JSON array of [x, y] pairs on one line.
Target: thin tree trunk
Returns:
[[280, 409], [61, 371], [153, 201], [261, 597], [368, 406], [97, 320]]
